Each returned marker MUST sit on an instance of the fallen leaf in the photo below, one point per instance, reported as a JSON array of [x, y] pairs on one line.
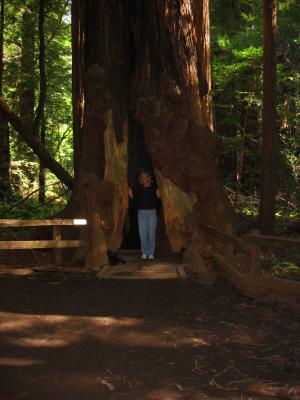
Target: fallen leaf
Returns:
[[107, 384]]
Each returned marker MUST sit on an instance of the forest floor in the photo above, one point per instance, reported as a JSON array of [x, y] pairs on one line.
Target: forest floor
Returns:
[[77, 337]]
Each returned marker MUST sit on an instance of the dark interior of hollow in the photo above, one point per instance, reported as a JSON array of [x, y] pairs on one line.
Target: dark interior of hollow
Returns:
[[138, 160]]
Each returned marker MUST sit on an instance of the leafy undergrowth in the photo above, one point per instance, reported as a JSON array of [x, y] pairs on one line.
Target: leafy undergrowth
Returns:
[[18, 208], [282, 265]]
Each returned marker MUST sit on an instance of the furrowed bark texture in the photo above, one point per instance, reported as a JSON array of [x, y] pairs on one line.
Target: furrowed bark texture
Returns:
[[269, 133], [140, 58], [100, 91]]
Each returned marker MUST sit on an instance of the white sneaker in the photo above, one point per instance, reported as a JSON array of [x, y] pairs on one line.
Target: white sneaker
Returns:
[[151, 257], [144, 257]]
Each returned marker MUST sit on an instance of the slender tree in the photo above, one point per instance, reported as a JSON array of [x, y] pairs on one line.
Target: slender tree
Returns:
[[39, 127], [4, 129], [34, 143], [27, 85], [269, 125]]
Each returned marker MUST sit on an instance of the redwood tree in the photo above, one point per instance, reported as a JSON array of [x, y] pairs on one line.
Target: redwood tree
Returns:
[[141, 59], [269, 129]]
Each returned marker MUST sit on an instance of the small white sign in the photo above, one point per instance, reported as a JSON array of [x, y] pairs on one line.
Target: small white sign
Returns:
[[80, 221]]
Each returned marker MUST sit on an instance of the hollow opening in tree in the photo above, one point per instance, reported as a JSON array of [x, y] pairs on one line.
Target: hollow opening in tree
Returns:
[[139, 160]]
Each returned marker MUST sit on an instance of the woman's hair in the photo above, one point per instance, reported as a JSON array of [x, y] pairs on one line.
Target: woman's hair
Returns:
[[146, 174]]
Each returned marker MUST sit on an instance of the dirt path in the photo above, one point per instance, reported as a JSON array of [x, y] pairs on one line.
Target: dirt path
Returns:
[[160, 340]]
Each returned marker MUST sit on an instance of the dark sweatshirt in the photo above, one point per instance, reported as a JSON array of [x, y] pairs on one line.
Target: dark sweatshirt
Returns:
[[145, 198]]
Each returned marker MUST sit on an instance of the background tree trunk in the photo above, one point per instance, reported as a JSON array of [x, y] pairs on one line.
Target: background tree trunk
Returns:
[[48, 161], [269, 133], [202, 26], [4, 129], [26, 86], [39, 126]]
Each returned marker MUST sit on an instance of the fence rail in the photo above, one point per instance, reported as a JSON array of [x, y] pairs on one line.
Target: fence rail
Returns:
[[253, 283], [57, 243]]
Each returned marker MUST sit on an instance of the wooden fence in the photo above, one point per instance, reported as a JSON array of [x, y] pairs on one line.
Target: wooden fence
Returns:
[[252, 282], [57, 243]]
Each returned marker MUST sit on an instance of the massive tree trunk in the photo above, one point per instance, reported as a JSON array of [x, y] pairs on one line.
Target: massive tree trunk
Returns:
[[140, 58], [100, 123], [269, 131], [4, 129]]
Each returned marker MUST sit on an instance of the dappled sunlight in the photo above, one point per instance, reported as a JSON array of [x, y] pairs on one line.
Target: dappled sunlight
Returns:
[[61, 331], [8, 270], [38, 342], [11, 322], [19, 362]]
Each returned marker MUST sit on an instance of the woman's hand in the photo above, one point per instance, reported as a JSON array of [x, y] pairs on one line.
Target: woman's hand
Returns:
[[158, 193], [130, 193]]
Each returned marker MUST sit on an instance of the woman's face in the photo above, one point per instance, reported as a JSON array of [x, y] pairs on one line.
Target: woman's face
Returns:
[[144, 179]]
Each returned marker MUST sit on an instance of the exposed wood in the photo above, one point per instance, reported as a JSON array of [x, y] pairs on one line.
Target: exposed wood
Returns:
[[39, 244], [46, 158], [5, 223]]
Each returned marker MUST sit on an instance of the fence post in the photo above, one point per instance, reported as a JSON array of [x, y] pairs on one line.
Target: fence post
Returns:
[[229, 249], [57, 252], [254, 255]]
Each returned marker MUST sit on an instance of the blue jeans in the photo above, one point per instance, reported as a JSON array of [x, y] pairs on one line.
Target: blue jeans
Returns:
[[147, 220]]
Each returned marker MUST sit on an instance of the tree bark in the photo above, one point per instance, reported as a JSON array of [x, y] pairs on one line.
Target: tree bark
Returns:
[[48, 161], [100, 123], [39, 126], [26, 86], [4, 129], [140, 57], [269, 125], [202, 26]]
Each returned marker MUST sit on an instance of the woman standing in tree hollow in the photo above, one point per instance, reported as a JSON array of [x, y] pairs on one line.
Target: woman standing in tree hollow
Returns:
[[146, 196]]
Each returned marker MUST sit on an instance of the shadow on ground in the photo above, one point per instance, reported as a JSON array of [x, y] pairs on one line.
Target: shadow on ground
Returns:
[[150, 340]]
